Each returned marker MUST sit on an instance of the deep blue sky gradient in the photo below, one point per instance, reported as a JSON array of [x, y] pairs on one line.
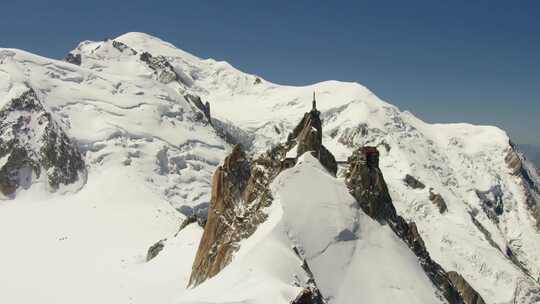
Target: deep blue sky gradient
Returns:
[[445, 61]]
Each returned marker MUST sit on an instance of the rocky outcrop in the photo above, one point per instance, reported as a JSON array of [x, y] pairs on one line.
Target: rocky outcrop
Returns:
[[366, 184], [468, 294], [163, 70], [155, 249], [408, 232], [32, 144], [413, 182], [530, 180], [492, 202], [219, 240], [309, 295], [308, 137], [203, 107], [193, 218], [513, 161], [73, 58], [239, 193], [123, 47], [438, 200]]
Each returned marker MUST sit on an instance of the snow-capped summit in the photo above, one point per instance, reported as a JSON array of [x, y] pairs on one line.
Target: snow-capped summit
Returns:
[[153, 122]]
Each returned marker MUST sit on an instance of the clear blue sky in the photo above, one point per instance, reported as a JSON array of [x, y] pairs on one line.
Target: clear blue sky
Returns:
[[445, 61]]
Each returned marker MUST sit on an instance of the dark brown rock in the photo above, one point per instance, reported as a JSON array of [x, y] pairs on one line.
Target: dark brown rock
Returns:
[[413, 182], [308, 136], [218, 241], [366, 184], [468, 294], [309, 295], [155, 249], [239, 193], [530, 180], [438, 200], [513, 161]]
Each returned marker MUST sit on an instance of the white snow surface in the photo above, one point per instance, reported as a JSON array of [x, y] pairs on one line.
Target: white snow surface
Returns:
[[352, 257], [146, 157]]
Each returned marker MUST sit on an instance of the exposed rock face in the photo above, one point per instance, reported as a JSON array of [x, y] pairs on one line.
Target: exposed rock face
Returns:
[[468, 294], [32, 143], [366, 183], [413, 182], [530, 180], [513, 161], [438, 200], [123, 47], [73, 58], [194, 218], [239, 193], [492, 202], [203, 107], [308, 136], [309, 295], [219, 240], [163, 70], [434, 271], [155, 249]]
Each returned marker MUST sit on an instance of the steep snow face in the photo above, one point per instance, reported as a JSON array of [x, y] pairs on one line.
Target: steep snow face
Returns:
[[351, 256]]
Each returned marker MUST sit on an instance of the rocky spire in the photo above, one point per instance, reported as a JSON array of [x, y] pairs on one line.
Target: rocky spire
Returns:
[[239, 192], [308, 137], [217, 243]]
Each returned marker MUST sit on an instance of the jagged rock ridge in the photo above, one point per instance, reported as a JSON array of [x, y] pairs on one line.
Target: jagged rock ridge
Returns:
[[366, 183]]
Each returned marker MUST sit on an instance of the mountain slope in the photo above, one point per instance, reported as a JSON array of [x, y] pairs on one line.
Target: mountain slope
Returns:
[[34, 147], [148, 146]]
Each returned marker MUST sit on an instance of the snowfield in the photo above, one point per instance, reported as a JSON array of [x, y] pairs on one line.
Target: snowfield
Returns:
[[150, 152]]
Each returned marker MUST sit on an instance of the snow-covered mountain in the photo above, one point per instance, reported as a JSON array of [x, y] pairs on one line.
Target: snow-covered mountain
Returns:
[[153, 123]]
